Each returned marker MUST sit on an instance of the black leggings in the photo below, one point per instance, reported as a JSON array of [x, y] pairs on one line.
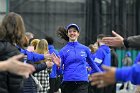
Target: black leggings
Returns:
[[52, 82], [75, 87]]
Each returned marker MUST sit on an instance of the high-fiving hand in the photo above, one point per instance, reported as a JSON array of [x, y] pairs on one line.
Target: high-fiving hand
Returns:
[[102, 79], [116, 41], [13, 65], [56, 59]]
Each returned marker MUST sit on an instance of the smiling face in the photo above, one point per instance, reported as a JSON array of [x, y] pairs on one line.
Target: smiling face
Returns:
[[73, 34]]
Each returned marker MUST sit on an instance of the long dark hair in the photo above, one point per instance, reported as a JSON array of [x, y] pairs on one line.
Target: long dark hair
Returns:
[[13, 29], [62, 33]]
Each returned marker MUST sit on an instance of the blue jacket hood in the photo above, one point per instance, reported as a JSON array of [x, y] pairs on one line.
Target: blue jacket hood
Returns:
[[50, 47], [106, 48]]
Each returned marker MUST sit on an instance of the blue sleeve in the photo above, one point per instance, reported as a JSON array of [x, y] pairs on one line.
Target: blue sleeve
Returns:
[[129, 74], [91, 62], [60, 69], [62, 58], [137, 59], [54, 51], [32, 56]]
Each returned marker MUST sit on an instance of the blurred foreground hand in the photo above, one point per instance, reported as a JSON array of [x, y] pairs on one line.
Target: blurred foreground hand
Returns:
[[13, 65], [116, 41], [102, 79]]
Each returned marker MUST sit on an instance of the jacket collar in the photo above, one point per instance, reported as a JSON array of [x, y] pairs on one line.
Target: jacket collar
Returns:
[[50, 46], [73, 43]]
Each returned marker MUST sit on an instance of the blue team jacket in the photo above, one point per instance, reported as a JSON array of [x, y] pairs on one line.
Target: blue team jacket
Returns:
[[53, 73], [102, 57], [74, 57]]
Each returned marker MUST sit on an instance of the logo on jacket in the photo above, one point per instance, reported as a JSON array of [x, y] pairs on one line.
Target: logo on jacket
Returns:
[[97, 60], [83, 53]]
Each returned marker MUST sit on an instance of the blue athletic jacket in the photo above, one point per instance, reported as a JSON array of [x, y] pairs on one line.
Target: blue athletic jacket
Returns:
[[74, 57], [53, 73], [102, 57], [129, 74]]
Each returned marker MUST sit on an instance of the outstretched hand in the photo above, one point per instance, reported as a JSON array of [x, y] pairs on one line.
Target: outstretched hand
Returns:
[[116, 41], [13, 65], [102, 79], [56, 59]]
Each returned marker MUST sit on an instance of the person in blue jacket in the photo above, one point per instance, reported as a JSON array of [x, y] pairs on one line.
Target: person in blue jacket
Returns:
[[127, 60], [73, 60], [101, 57], [124, 74], [53, 72]]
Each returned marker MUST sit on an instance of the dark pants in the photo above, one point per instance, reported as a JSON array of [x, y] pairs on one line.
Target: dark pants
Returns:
[[94, 89], [58, 83], [110, 89], [52, 82], [107, 89], [74, 87]]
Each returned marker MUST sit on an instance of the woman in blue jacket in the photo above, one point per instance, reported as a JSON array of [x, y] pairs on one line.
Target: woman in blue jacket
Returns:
[[101, 57], [73, 60]]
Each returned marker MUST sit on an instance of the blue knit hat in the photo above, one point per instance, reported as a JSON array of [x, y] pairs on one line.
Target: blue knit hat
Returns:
[[128, 54], [73, 25]]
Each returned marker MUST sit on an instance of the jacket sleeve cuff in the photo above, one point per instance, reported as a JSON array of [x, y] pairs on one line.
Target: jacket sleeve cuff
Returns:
[[126, 43]]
